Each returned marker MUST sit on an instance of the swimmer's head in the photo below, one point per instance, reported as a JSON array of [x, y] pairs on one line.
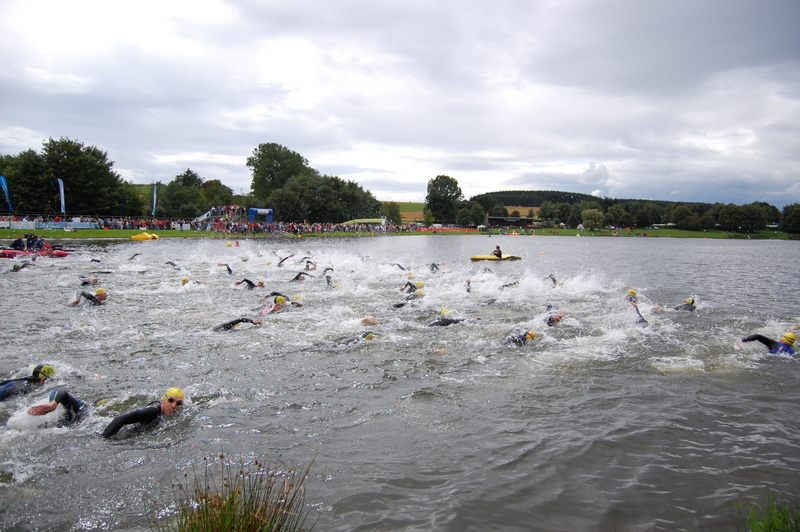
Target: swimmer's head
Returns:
[[444, 312], [16, 267], [184, 280], [420, 284], [632, 293], [177, 393], [789, 338], [550, 307], [368, 335], [530, 335], [280, 300], [172, 400], [690, 300], [43, 371], [100, 291]]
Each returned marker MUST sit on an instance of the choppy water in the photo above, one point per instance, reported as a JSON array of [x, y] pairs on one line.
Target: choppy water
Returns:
[[599, 425]]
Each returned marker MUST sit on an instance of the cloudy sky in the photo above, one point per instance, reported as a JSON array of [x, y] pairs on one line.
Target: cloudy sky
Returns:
[[682, 101]]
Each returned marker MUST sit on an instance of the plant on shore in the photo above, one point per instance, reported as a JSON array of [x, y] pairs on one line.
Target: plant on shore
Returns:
[[772, 516], [244, 498]]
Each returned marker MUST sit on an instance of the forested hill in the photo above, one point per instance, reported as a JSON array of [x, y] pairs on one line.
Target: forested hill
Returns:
[[535, 198]]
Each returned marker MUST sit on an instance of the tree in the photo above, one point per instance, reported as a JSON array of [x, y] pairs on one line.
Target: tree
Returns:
[[592, 218], [427, 217], [391, 211], [189, 178], [547, 212], [215, 194], [315, 198], [443, 197], [498, 210], [272, 166], [791, 218]]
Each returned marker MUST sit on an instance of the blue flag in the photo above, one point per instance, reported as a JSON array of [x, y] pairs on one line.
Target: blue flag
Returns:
[[4, 186], [154, 201], [61, 190]]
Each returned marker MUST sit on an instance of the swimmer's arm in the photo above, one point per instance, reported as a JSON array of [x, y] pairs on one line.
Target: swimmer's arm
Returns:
[[143, 415], [771, 344]]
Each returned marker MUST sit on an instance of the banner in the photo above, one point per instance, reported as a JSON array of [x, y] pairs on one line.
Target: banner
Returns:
[[61, 191], [154, 201], [4, 186]]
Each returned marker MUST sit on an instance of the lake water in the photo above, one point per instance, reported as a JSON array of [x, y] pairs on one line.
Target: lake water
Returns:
[[598, 424]]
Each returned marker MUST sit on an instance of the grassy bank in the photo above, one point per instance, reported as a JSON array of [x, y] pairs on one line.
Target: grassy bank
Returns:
[[8, 235]]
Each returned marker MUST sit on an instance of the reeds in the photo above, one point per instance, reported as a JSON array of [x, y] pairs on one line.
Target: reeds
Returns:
[[772, 516], [244, 498]]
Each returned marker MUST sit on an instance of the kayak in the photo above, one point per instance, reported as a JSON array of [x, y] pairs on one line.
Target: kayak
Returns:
[[14, 253], [145, 236], [492, 257]]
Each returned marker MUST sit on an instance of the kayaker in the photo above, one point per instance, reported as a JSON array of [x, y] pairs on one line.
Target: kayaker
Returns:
[[497, 253]]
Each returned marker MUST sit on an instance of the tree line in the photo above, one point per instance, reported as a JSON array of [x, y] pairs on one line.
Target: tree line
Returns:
[[283, 181]]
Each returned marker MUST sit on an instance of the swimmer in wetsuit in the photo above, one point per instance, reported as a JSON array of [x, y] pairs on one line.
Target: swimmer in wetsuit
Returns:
[[99, 296], [630, 297], [24, 385], [169, 404], [250, 284], [355, 339], [555, 315], [73, 408], [233, 323], [782, 347], [520, 339], [687, 305]]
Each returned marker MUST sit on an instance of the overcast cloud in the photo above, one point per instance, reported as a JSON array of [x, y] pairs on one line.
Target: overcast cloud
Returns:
[[682, 101]]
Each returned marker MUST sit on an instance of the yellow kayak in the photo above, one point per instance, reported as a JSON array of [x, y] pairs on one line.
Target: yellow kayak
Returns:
[[492, 257], [145, 236]]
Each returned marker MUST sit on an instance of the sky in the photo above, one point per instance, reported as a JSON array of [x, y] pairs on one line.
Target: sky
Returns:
[[630, 99]]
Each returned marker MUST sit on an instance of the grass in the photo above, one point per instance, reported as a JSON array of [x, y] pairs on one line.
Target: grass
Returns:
[[772, 516], [236, 498]]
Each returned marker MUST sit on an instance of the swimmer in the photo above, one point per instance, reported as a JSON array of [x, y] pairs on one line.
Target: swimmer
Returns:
[[355, 339], [230, 272], [435, 267], [280, 263], [18, 267], [186, 281], [687, 305], [250, 284], [443, 320], [24, 385], [99, 296], [311, 265], [233, 323], [301, 276], [468, 284], [410, 287], [85, 281], [509, 284], [782, 347], [630, 297], [170, 403], [520, 339], [173, 265], [73, 408], [552, 279], [555, 315], [134, 256]]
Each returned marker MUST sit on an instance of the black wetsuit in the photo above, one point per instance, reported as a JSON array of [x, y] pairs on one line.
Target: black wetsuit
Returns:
[[231, 324], [409, 287], [250, 284], [18, 244], [148, 414], [17, 386], [73, 407], [92, 299], [686, 306], [516, 339], [442, 322], [774, 346]]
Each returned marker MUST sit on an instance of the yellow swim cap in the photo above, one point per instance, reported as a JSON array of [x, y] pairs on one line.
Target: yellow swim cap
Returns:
[[789, 338], [445, 311], [177, 393], [530, 335], [369, 336], [99, 291], [280, 300], [44, 370], [690, 300], [632, 293], [184, 280], [420, 284]]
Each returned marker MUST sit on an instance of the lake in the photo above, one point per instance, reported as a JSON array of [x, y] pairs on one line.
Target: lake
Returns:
[[599, 423]]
